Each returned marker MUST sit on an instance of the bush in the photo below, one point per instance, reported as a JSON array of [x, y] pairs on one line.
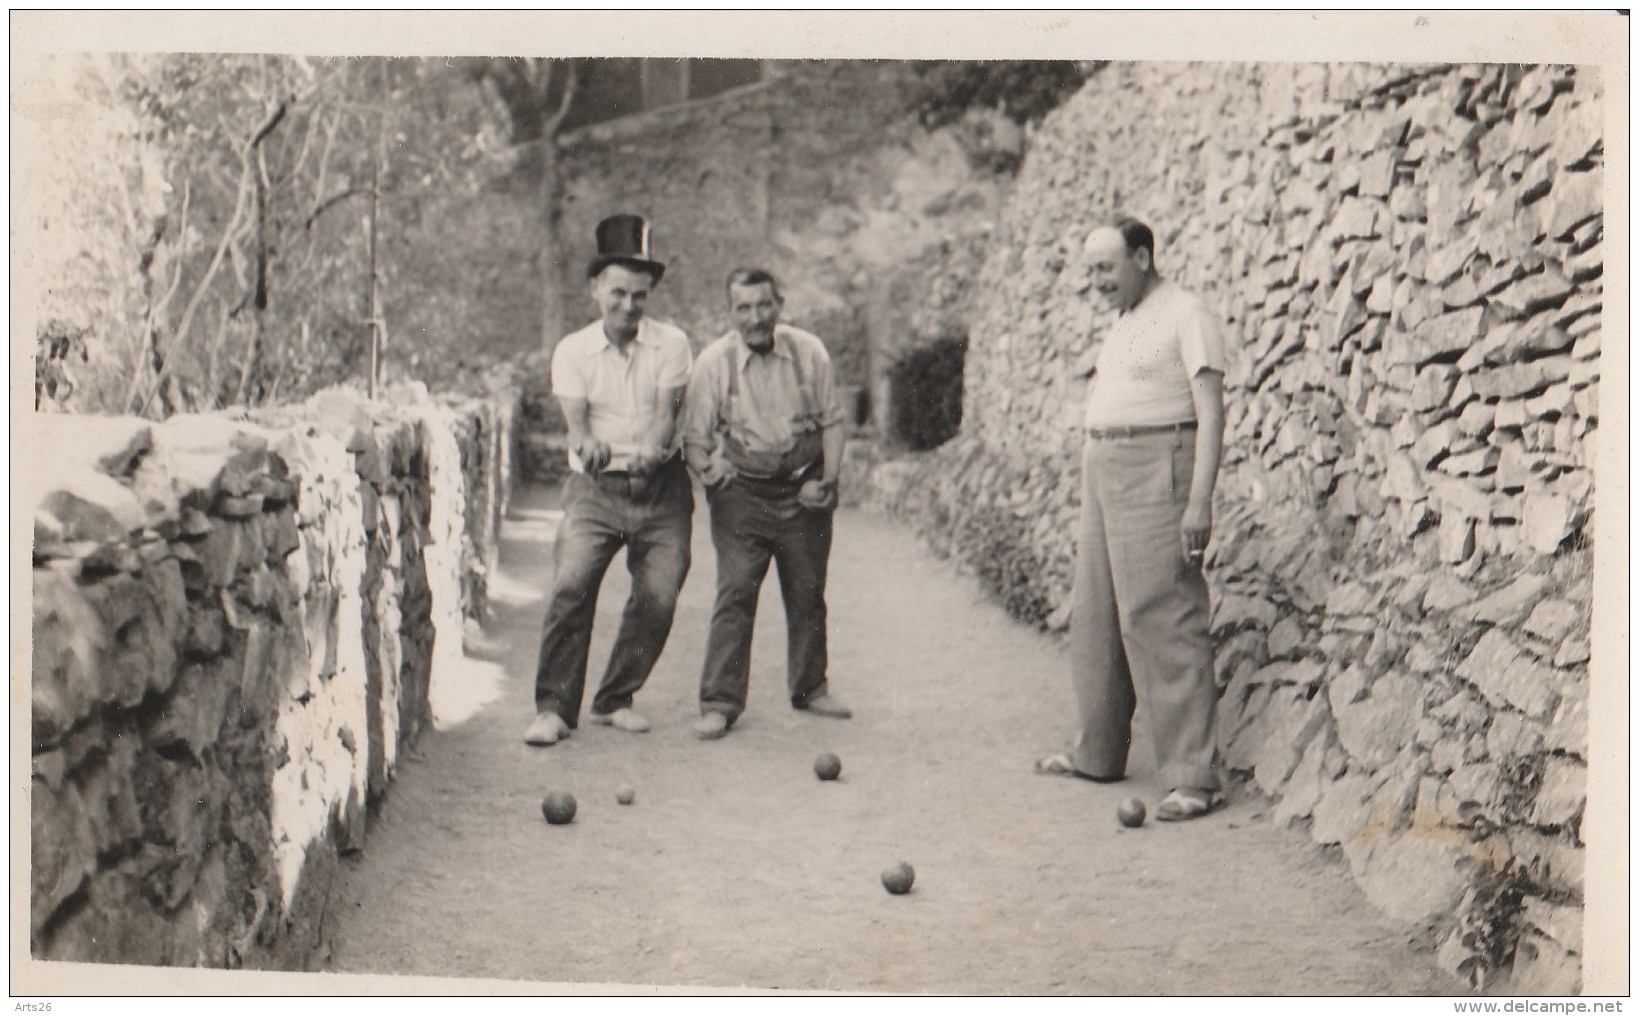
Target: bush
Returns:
[[925, 407], [1022, 90]]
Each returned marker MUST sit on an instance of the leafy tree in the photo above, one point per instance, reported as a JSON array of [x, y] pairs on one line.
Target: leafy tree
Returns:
[[208, 230]]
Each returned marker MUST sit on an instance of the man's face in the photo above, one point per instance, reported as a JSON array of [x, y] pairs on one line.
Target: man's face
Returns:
[[621, 294], [1117, 273], [755, 310]]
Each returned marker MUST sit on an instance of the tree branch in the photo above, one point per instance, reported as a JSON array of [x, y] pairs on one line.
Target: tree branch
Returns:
[[329, 202], [571, 86]]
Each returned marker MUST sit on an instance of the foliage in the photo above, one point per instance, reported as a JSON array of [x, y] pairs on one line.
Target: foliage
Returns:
[[1022, 90], [998, 543], [926, 409], [206, 237], [1489, 927]]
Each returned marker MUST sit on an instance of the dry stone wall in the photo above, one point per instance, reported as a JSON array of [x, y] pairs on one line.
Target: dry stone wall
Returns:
[[237, 620], [1409, 263]]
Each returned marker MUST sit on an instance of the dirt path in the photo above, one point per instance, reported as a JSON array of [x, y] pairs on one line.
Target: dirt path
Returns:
[[736, 867]]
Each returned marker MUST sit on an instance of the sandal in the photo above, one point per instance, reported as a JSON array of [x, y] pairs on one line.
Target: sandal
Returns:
[[1062, 764], [1182, 805]]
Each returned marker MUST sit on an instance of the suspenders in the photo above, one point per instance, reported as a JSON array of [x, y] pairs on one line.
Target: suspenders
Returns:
[[807, 448]]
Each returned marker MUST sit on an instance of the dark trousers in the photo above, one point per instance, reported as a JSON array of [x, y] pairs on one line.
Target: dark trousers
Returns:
[[652, 521], [752, 522]]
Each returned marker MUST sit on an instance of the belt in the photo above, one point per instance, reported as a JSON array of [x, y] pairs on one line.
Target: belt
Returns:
[[630, 484], [1116, 433]]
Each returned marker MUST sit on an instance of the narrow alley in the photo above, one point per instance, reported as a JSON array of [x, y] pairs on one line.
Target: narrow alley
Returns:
[[736, 867]]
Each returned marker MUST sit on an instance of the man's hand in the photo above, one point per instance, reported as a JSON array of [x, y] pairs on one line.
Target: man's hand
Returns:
[[647, 460], [717, 472], [819, 494], [593, 454], [1195, 531]]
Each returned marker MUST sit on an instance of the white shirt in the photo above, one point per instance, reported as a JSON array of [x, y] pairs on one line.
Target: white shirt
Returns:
[[1149, 357], [621, 389]]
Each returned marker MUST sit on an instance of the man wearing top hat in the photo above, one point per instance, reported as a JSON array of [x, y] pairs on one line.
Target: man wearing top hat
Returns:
[[620, 381]]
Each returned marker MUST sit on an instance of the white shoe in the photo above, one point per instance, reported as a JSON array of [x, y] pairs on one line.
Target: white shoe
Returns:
[[710, 726], [627, 719], [547, 729]]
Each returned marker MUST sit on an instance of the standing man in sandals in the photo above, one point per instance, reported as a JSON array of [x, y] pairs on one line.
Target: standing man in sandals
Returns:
[[620, 381], [763, 430], [1139, 613]]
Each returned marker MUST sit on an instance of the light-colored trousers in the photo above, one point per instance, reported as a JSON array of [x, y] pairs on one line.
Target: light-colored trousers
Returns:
[[1139, 616]]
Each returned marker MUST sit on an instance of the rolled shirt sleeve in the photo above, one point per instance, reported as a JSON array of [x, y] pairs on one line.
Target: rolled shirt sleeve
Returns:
[[703, 403], [823, 379], [675, 368], [568, 377], [1200, 340]]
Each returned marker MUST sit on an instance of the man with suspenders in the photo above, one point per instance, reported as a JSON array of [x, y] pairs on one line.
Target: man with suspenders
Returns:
[[763, 431]]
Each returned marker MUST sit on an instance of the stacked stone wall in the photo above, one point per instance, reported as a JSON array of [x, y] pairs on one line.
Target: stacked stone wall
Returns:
[[1409, 264], [236, 623]]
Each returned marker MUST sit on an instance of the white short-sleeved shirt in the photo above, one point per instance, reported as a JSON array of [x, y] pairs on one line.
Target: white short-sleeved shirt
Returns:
[[1149, 357], [621, 389]]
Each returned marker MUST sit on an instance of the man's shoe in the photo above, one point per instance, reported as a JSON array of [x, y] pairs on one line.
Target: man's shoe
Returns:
[[548, 728], [710, 726], [826, 705], [623, 719]]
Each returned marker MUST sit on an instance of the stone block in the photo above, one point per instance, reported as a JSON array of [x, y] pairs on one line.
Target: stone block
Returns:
[[70, 645], [89, 505], [1506, 675], [1285, 637], [1447, 593], [1460, 495], [1233, 610], [1512, 736], [1473, 465], [1509, 603], [1416, 876], [63, 852], [1533, 294], [1550, 519], [1553, 620], [1456, 537], [1583, 374], [1356, 219], [1515, 467], [1552, 404], [192, 718], [1375, 730], [1577, 198], [1303, 789], [1433, 387], [1476, 787], [1519, 380], [1572, 652], [1343, 809], [1435, 444], [1562, 793], [1289, 721]]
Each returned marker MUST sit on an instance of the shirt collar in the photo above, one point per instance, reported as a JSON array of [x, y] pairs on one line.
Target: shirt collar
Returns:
[[781, 348], [645, 336]]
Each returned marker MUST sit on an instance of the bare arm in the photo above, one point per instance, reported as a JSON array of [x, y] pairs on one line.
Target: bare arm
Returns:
[[1206, 390]]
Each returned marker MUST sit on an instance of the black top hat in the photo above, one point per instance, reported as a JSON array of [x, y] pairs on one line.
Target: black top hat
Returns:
[[624, 240]]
